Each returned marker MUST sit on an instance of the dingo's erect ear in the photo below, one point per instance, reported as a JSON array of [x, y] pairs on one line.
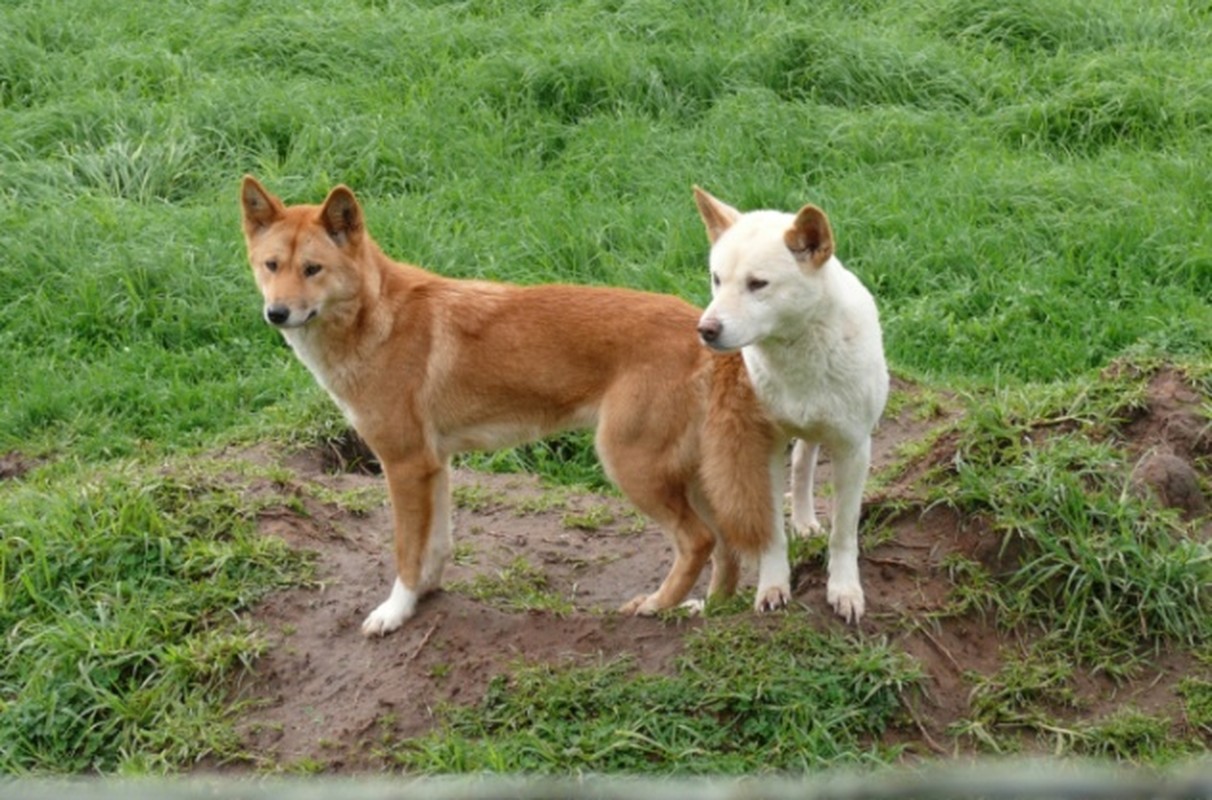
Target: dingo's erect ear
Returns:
[[717, 216], [810, 239], [342, 216], [260, 207]]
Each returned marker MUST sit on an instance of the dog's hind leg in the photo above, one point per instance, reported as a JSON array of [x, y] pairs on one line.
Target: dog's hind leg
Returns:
[[844, 590], [725, 570], [419, 487], [693, 542], [774, 566], [803, 501], [725, 560], [663, 497]]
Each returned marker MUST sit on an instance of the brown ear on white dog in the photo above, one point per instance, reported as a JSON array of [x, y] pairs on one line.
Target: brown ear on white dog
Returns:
[[810, 239]]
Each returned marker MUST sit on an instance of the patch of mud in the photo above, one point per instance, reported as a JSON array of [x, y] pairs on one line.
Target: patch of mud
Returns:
[[324, 694], [1170, 437], [14, 465]]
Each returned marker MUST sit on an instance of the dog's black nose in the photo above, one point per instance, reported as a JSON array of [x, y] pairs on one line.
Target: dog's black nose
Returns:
[[709, 329], [277, 315]]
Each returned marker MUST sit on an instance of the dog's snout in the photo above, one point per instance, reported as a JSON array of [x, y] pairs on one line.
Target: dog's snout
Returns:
[[709, 329], [277, 314]]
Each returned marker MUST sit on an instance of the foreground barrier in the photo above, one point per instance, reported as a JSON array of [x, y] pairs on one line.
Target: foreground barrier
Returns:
[[1001, 781]]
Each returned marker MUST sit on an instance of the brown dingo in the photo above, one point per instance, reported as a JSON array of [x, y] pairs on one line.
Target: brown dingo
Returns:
[[425, 367]]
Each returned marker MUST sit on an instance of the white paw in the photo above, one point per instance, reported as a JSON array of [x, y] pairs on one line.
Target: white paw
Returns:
[[695, 607], [392, 612], [846, 599], [772, 599], [806, 528]]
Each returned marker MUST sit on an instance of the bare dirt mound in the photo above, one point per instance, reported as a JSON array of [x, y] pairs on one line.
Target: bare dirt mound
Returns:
[[323, 695], [324, 692]]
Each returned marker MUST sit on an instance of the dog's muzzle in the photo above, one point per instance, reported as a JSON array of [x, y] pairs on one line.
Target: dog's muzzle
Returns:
[[280, 316], [710, 330], [277, 315]]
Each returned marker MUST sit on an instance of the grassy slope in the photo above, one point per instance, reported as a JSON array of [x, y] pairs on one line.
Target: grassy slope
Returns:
[[1022, 183]]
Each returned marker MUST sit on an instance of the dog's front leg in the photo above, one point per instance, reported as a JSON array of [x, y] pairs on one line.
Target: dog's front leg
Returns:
[[843, 590], [419, 488]]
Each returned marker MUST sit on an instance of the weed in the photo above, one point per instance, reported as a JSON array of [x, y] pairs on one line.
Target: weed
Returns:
[[464, 553], [552, 499], [592, 518], [476, 498], [517, 587]]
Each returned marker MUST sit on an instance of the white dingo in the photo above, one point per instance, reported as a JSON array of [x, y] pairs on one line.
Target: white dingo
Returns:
[[810, 335]]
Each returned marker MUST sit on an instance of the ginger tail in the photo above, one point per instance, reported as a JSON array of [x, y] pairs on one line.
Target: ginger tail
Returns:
[[738, 444]]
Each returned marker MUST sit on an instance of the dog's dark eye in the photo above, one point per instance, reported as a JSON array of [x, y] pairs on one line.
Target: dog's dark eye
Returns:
[[311, 270], [757, 283], [271, 265], [715, 279]]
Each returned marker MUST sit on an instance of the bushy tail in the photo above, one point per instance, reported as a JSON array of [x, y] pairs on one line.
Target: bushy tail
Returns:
[[739, 440]]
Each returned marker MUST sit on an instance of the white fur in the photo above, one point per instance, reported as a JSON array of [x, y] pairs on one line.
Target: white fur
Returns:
[[810, 336], [392, 612]]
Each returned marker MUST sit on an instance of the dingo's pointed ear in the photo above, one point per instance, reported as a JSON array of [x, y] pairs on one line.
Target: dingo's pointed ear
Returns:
[[342, 216], [717, 216], [810, 239], [260, 207]]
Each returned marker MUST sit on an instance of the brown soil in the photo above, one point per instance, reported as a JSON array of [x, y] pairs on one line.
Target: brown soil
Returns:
[[324, 694], [14, 465]]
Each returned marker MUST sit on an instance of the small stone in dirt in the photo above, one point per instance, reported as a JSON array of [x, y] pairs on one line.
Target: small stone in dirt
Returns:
[[1173, 481]]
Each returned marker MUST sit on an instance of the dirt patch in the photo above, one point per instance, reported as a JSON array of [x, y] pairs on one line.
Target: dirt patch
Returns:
[[1170, 437], [14, 465], [323, 694]]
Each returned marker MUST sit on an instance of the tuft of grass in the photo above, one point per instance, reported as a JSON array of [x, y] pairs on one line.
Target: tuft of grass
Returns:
[[593, 517], [519, 586], [1103, 571], [743, 698], [1026, 695], [1197, 697], [1132, 736], [118, 610], [476, 498]]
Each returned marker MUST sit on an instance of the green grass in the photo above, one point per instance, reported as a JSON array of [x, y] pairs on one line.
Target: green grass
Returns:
[[1019, 183], [743, 700], [1022, 183], [116, 601], [1104, 571], [519, 586]]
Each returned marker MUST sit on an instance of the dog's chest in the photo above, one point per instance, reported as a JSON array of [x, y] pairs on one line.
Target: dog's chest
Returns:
[[333, 378], [805, 396]]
